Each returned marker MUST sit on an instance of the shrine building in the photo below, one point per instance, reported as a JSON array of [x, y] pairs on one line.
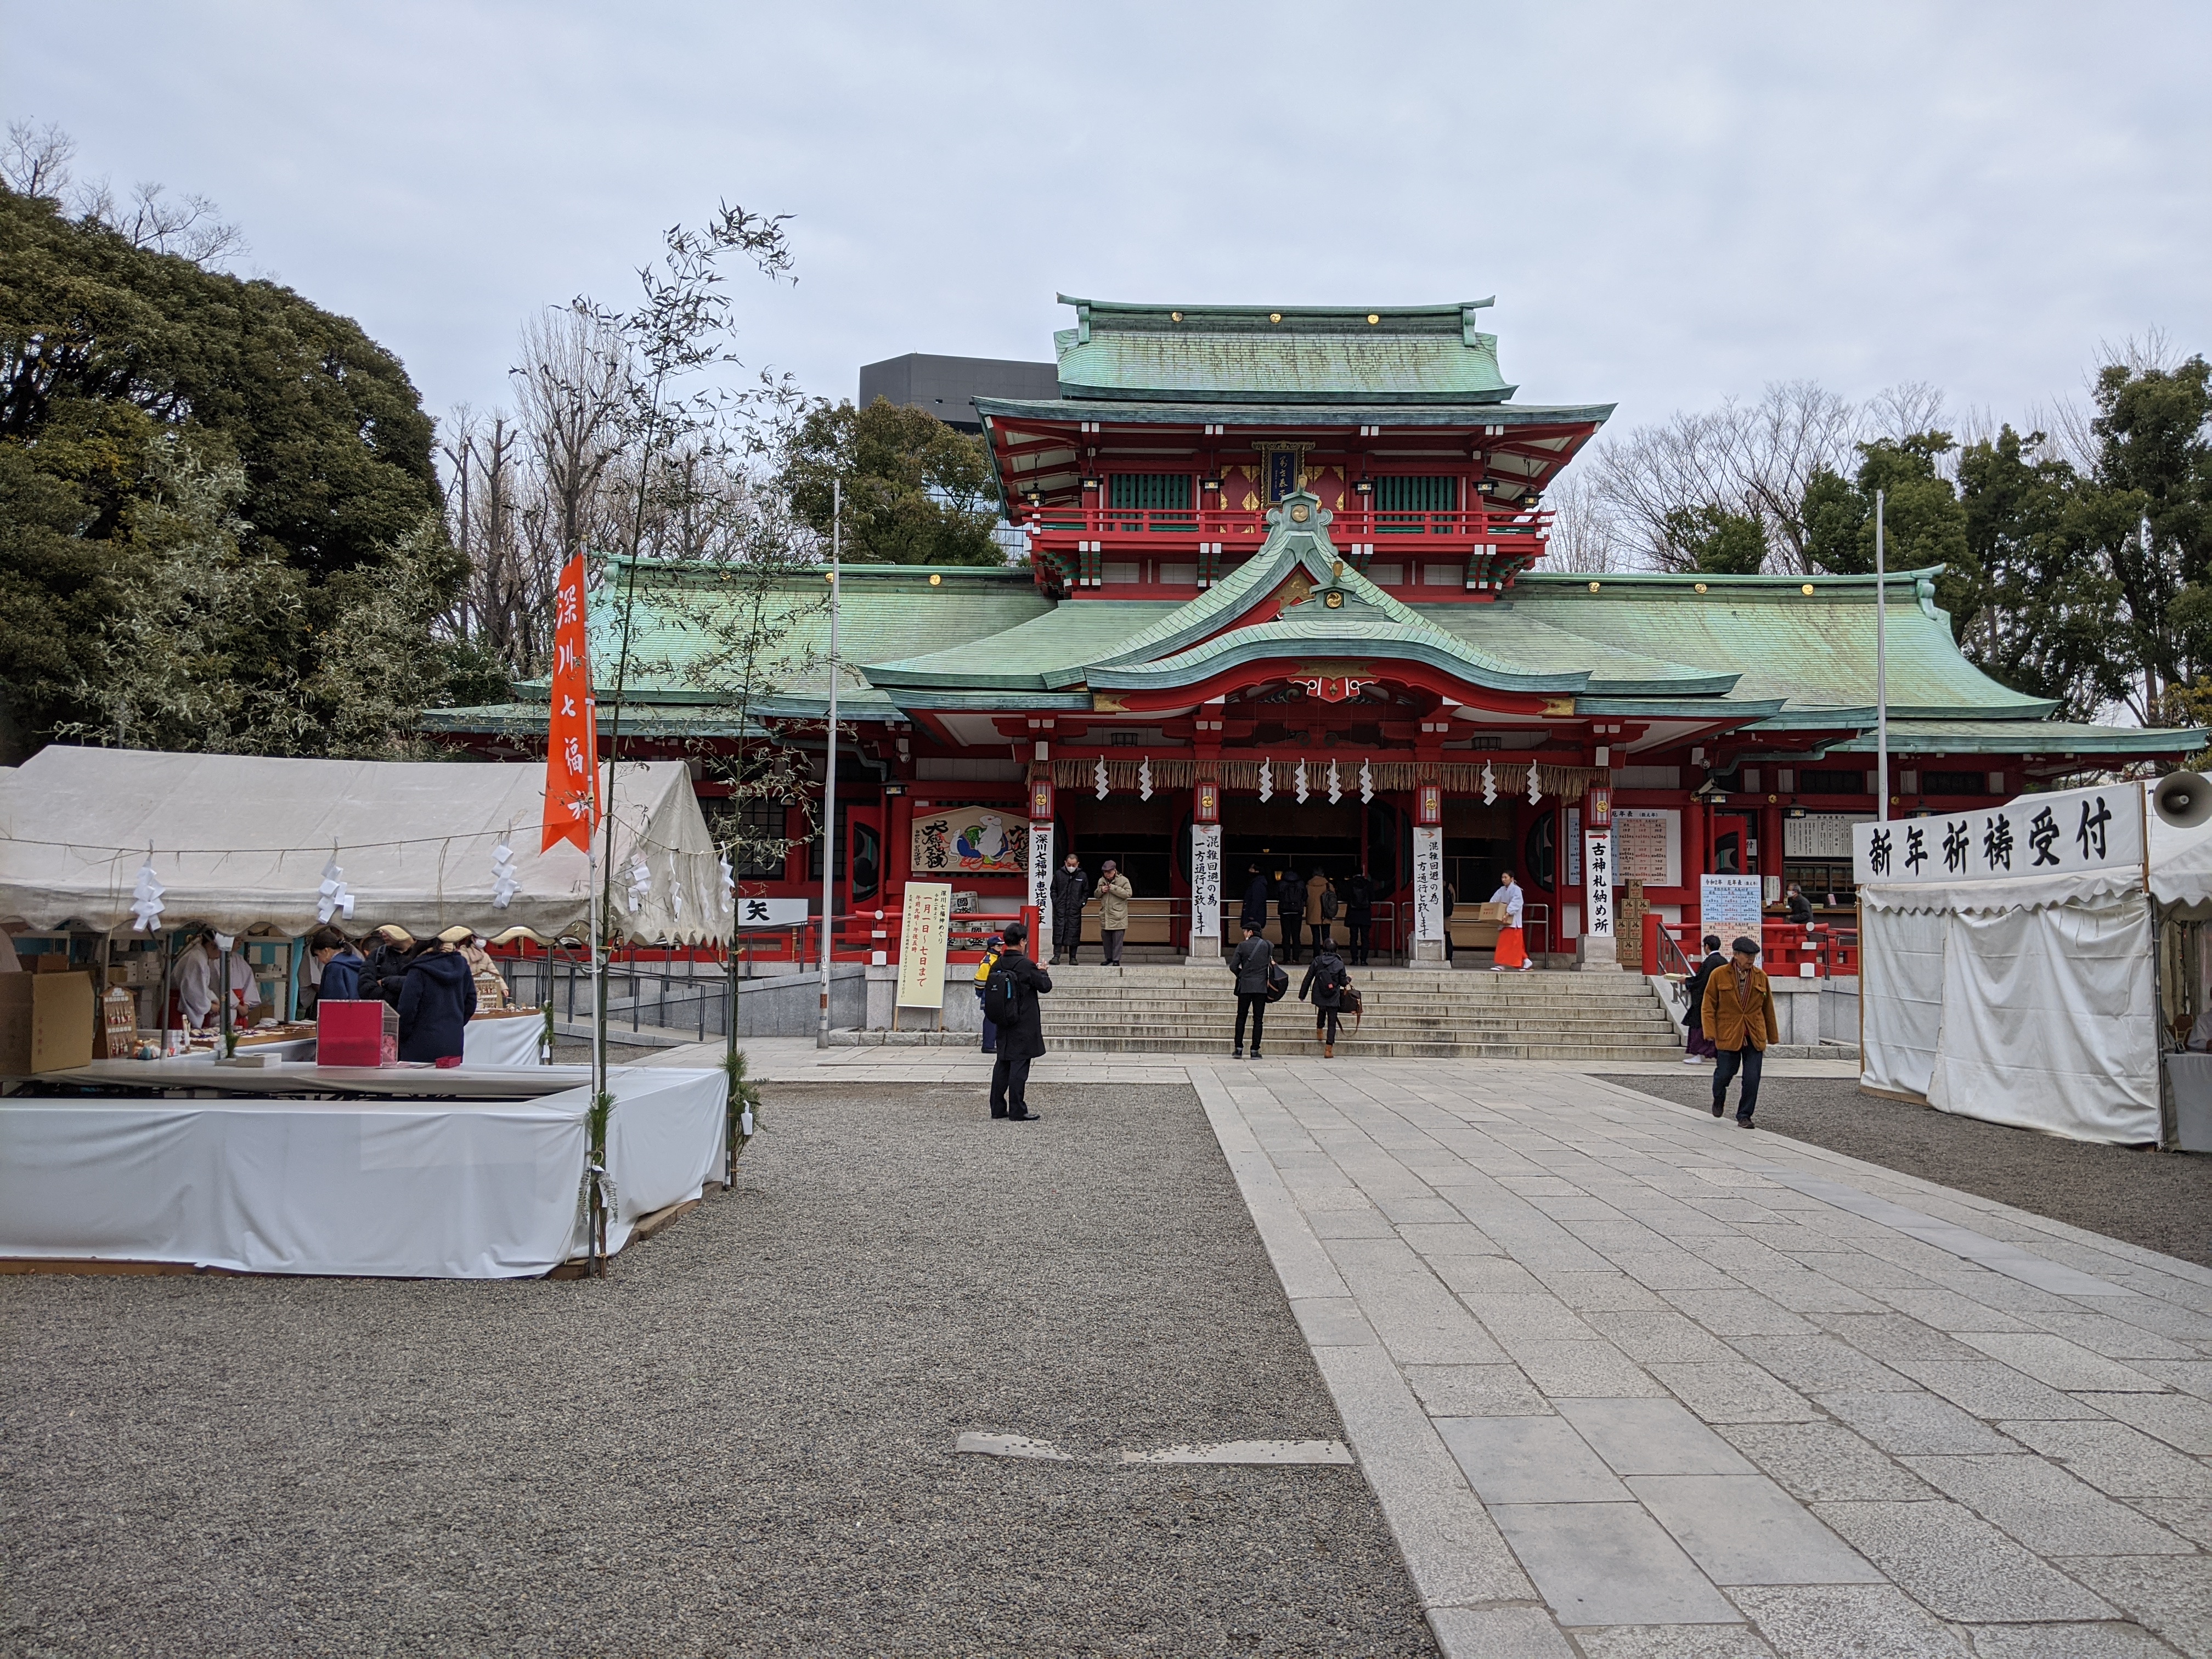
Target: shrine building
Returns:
[[1280, 608]]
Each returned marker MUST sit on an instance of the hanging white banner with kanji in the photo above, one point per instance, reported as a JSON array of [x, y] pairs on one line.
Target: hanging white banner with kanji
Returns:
[[2067, 832]]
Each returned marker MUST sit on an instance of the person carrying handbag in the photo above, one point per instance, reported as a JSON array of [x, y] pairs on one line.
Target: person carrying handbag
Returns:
[[1254, 965], [1327, 983]]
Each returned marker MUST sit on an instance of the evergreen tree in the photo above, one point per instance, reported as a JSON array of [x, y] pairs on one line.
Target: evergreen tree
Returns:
[[915, 491]]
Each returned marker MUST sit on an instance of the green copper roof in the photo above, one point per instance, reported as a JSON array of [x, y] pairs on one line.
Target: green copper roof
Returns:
[[1919, 737], [1286, 355]]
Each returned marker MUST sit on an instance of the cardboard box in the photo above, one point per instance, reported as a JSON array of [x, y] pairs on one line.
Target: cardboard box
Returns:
[[49, 961], [48, 1022], [1486, 911]]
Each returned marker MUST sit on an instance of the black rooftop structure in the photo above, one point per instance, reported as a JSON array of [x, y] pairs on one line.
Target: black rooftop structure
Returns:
[[948, 387]]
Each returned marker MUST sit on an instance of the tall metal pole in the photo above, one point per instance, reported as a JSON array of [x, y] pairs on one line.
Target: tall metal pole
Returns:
[[1881, 670], [830, 771]]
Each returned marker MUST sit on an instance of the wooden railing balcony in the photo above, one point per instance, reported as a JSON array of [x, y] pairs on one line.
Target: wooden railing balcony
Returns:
[[1518, 536]]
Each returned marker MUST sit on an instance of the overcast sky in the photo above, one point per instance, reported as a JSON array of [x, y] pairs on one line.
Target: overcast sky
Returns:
[[1672, 203]]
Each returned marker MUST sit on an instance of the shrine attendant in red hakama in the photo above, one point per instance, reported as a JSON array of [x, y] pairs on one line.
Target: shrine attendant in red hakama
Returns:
[[1512, 946]]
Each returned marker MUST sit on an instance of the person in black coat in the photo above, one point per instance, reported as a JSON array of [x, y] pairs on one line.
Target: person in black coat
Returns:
[[385, 973], [1256, 894], [1290, 907], [1254, 960], [1326, 980], [1022, 1040], [1359, 912], [1071, 890], [436, 1002], [1696, 1045], [342, 966]]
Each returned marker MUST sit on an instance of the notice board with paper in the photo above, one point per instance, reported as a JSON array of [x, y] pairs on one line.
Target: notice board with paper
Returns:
[[924, 930]]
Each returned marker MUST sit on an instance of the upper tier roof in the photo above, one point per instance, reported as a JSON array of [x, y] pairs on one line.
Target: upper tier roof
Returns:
[[1289, 355]]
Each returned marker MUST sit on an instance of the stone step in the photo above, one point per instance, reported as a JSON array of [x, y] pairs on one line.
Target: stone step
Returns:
[[1304, 1046]]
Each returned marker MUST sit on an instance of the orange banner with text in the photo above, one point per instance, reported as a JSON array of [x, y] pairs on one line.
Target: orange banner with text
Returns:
[[571, 743]]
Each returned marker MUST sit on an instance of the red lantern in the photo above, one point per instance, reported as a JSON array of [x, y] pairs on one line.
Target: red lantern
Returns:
[[1600, 803], [1208, 802], [1041, 800], [1431, 807]]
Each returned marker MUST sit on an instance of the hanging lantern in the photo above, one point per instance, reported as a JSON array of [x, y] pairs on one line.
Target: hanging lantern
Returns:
[[1429, 807], [146, 897], [1206, 802]]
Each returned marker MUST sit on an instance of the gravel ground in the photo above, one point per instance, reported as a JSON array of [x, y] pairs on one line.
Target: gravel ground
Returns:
[[2159, 1200], [740, 1444]]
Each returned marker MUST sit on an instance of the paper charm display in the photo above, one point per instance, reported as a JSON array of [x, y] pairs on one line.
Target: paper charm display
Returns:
[[1489, 785], [1299, 781], [729, 883], [641, 883], [1535, 793], [1098, 777], [333, 900], [146, 899], [1266, 781], [1336, 788], [1144, 779], [505, 884], [676, 900], [1366, 782]]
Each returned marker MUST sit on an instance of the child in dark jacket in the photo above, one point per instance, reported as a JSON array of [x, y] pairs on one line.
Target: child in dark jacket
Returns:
[[436, 1002]]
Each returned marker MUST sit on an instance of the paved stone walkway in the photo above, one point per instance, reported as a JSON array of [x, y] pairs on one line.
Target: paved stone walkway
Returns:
[[1633, 1383]]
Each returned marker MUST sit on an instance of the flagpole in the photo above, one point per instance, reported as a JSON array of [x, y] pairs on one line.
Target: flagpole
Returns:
[[830, 770], [1881, 670]]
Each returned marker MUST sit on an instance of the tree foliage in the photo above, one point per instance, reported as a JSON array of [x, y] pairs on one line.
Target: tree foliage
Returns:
[[1715, 541], [174, 443], [915, 491]]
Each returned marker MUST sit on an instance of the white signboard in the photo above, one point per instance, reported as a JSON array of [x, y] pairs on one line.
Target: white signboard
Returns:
[[2059, 834], [1820, 835], [771, 912], [1574, 847], [1205, 880], [1598, 860], [1428, 882], [1647, 846], [922, 935], [1040, 881], [1728, 905]]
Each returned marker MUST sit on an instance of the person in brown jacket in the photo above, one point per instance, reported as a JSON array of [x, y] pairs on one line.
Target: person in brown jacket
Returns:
[[1738, 1015]]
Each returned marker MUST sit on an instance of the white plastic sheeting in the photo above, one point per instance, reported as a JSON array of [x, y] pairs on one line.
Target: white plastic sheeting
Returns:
[[241, 841], [398, 1189], [1901, 988], [2030, 1002], [2050, 1020]]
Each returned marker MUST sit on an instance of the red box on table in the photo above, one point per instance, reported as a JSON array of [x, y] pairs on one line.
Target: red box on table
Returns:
[[356, 1034]]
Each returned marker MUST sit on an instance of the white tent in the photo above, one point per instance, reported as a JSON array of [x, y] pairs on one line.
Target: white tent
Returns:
[[241, 841], [2008, 966]]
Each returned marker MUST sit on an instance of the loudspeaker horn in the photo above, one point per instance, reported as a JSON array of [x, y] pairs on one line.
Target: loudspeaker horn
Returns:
[[2184, 800]]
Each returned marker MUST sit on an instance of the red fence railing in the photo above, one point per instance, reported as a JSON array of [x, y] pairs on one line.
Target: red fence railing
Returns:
[[1788, 950]]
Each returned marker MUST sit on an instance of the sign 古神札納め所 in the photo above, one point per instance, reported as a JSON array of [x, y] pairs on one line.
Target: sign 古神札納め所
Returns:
[[2066, 832]]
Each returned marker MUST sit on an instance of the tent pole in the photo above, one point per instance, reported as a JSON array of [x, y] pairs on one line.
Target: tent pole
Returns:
[[830, 848]]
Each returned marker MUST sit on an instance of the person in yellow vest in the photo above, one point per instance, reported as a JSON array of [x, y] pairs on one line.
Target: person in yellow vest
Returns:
[[1738, 1015], [992, 948]]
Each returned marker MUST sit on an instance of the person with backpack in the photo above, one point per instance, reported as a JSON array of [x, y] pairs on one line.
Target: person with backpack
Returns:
[[991, 951], [1070, 889], [1697, 1047], [1254, 965], [1321, 909], [1359, 912], [1291, 909], [1327, 981], [1010, 1003]]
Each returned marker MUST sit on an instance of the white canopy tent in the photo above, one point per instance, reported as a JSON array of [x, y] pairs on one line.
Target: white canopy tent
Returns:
[[238, 842], [2008, 966]]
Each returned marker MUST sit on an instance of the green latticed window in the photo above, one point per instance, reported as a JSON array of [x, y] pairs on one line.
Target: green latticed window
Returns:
[[1418, 495], [1152, 492]]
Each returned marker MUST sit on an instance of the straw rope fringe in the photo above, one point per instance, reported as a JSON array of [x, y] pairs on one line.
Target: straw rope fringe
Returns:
[[1563, 783]]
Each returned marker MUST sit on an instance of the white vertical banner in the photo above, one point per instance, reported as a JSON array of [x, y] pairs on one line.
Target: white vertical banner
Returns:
[[1041, 882], [1428, 882], [1206, 881], [924, 928], [1597, 862]]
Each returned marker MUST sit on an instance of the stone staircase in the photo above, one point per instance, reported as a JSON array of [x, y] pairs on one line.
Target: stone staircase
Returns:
[[1411, 1013]]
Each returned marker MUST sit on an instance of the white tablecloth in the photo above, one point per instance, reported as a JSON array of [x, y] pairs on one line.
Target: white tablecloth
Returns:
[[507, 1041], [388, 1187]]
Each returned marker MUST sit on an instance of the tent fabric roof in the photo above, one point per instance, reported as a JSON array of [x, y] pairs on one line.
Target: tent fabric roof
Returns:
[[241, 842]]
